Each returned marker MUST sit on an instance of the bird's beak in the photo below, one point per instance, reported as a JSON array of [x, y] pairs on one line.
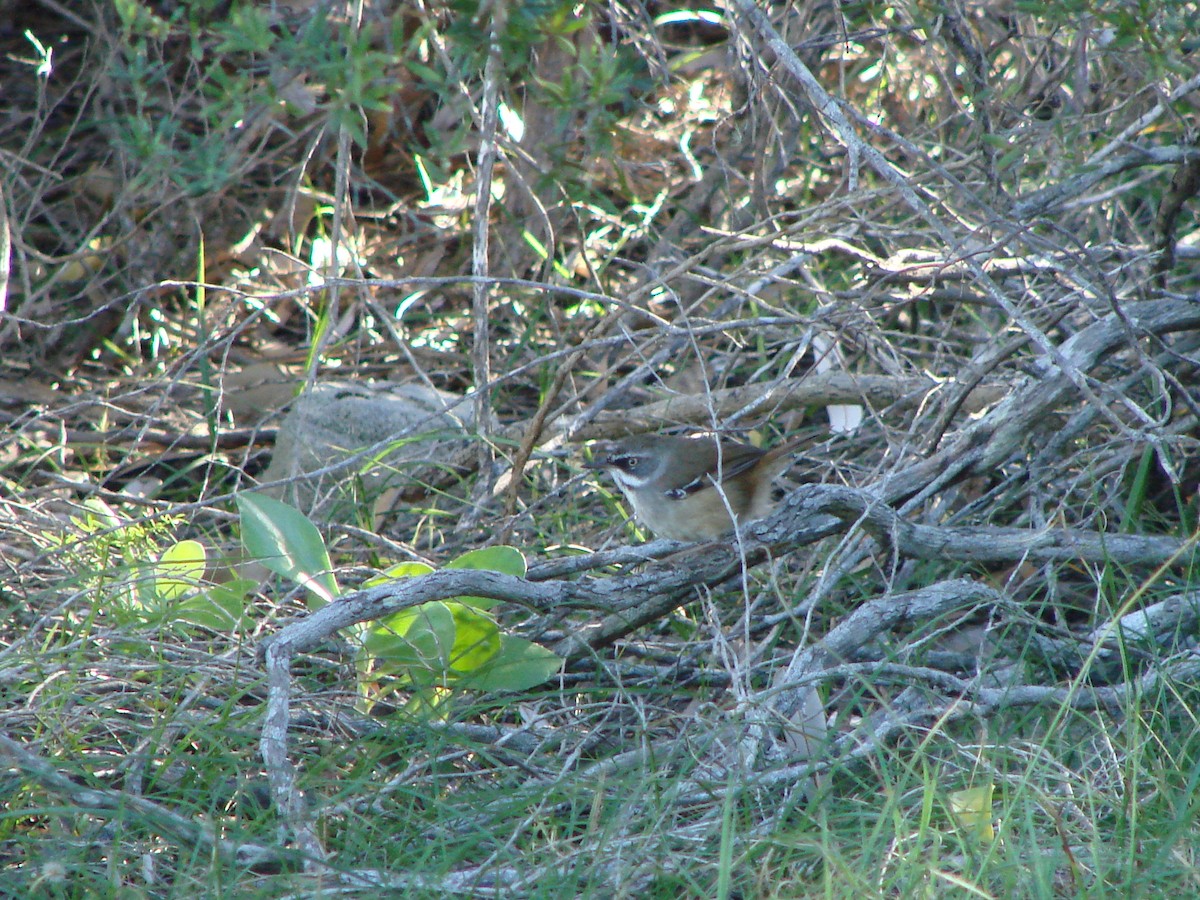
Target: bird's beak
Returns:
[[599, 460]]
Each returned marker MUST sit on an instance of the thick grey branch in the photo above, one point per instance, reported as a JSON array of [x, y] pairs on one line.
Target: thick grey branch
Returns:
[[629, 601], [978, 544], [1049, 199]]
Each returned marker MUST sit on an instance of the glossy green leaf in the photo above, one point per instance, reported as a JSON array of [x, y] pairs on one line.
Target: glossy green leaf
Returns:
[[399, 570], [503, 559], [518, 666], [414, 643], [476, 639], [286, 542]]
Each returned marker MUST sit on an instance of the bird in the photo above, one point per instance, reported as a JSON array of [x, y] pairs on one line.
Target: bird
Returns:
[[693, 488]]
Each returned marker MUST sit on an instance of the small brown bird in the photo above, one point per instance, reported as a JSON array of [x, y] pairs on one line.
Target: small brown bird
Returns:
[[693, 488]]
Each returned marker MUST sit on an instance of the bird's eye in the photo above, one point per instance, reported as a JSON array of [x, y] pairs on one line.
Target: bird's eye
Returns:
[[625, 463]]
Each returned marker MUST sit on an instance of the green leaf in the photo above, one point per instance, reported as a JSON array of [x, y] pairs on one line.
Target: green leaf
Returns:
[[399, 570], [434, 643], [426, 703], [519, 666], [247, 31], [451, 644], [431, 77], [414, 644], [1013, 156], [1138, 491], [99, 513], [286, 542], [220, 608], [476, 639], [503, 559], [179, 570]]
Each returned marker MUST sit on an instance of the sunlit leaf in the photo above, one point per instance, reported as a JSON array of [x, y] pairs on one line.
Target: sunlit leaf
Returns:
[[286, 542], [101, 513], [476, 638], [179, 570]]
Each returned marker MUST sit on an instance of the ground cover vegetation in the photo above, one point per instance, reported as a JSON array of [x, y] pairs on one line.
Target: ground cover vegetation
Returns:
[[953, 244]]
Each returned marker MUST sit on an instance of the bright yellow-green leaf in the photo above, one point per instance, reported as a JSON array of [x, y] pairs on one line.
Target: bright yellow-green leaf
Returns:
[[442, 646], [973, 810], [476, 638], [414, 643], [100, 513], [179, 570], [426, 702]]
